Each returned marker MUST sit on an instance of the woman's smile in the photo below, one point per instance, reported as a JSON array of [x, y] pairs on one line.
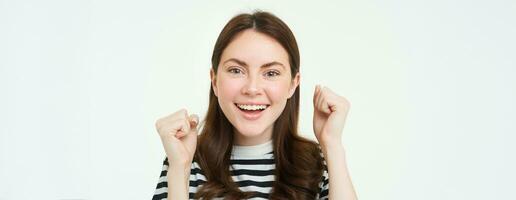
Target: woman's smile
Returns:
[[251, 111]]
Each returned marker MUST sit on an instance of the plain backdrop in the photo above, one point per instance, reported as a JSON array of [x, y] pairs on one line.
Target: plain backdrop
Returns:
[[431, 84]]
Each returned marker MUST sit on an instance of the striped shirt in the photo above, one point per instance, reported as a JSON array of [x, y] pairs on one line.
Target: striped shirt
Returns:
[[251, 167]]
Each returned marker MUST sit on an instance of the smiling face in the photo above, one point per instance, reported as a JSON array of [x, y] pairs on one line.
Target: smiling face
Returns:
[[252, 85]]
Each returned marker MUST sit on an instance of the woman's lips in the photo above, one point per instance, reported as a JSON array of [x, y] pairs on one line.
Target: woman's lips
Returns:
[[251, 114]]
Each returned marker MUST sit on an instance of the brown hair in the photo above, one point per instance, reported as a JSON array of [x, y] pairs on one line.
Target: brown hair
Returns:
[[298, 163]]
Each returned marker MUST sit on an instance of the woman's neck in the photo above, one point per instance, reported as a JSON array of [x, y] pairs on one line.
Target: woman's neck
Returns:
[[242, 140]]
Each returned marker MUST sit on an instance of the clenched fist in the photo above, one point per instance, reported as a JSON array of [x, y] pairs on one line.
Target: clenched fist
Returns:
[[330, 113], [178, 133]]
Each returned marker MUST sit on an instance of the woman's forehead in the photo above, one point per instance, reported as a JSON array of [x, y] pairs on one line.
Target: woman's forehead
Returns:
[[255, 49]]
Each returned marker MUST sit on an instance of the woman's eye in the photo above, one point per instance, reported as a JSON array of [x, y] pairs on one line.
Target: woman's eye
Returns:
[[234, 70], [272, 73]]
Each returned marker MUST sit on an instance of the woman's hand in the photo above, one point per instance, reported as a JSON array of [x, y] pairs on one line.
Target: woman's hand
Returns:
[[178, 133], [330, 112]]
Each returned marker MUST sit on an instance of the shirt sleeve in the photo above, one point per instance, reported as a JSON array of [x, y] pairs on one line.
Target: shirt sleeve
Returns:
[[324, 185], [162, 187]]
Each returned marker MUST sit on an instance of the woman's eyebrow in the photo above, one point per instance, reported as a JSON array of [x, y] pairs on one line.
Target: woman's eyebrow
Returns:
[[240, 62]]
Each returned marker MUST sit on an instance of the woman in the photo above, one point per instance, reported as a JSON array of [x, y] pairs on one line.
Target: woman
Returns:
[[249, 145]]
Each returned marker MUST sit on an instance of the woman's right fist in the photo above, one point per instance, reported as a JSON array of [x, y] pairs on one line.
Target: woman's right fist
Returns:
[[178, 133]]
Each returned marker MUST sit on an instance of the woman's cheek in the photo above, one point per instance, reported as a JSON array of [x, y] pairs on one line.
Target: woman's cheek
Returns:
[[229, 87], [278, 91]]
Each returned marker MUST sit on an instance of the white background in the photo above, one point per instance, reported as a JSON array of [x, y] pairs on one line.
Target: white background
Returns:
[[431, 84]]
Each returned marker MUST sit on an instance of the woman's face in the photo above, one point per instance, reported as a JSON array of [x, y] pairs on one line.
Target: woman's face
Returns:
[[253, 83]]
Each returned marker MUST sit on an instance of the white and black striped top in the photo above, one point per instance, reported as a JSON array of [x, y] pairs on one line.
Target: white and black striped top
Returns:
[[252, 168]]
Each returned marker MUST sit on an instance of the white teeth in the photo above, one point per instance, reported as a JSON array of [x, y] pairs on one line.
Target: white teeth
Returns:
[[252, 107]]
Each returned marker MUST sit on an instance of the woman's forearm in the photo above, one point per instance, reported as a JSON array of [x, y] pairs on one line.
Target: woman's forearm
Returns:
[[340, 181], [178, 182]]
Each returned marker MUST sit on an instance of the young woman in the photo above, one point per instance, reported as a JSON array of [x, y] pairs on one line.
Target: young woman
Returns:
[[249, 147]]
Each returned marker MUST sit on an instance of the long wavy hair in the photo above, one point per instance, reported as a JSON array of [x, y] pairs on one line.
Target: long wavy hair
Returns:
[[298, 163]]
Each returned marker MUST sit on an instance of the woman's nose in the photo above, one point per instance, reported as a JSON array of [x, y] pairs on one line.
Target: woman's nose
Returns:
[[252, 86]]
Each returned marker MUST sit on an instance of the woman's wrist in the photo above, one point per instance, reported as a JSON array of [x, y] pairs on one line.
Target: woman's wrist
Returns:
[[332, 146], [331, 142], [179, 169]]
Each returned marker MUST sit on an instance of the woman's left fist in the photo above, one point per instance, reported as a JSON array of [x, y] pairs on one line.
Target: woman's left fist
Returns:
[[330, 112]]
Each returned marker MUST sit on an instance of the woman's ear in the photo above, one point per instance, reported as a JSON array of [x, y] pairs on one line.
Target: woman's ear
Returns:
[[294, 85], [213, 78]]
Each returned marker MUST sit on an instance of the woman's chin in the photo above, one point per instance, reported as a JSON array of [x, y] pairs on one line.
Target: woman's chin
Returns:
[[250, 132]]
